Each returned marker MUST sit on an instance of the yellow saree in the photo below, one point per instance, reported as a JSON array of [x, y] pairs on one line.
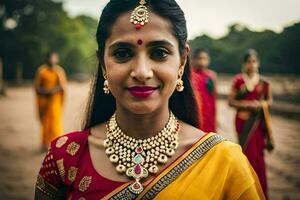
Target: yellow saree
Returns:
[[50, 106], [212, 169]]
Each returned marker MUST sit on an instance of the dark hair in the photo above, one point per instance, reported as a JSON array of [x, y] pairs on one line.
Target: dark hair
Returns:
[[249, 53], [50, 53], [102, 106], [200, 50]]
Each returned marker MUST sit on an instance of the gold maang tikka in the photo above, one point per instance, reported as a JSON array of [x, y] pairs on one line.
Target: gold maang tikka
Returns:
[[140, 15]]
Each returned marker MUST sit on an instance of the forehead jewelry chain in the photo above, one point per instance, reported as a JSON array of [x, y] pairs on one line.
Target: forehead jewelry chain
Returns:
[[140, 15], [137, 158]]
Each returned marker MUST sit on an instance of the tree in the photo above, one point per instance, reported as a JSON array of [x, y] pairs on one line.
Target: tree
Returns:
[[279, 52], [31, 28]]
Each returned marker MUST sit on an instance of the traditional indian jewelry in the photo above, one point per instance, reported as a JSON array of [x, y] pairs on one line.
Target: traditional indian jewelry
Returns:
[[179, 82], [139, 157], [140, 15], [105, 87], [179, 85]]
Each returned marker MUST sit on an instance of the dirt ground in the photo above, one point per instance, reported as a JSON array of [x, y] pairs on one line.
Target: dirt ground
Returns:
[[20, 158]]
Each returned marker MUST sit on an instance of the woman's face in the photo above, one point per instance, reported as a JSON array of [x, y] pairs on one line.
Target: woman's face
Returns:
[[142, 66], [202, 60], [53, 59], [252, 64]]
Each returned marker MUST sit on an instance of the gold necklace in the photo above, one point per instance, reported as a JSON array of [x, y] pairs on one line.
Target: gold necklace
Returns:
[[137, 157]]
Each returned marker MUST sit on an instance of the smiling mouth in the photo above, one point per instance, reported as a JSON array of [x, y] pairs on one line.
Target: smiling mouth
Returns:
[[142, 92]]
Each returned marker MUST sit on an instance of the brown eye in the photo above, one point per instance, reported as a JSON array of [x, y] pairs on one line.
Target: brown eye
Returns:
[[159, 54], [123, 55]]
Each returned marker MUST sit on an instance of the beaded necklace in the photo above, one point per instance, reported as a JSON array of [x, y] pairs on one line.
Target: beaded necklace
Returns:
[[139, 157]]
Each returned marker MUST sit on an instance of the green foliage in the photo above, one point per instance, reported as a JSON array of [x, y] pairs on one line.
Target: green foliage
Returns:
[[40, 27], [31, 28], [279, 53]]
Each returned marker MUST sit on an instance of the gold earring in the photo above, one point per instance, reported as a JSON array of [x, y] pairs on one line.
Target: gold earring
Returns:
[[179, 82], [105, 87], [179, 85]]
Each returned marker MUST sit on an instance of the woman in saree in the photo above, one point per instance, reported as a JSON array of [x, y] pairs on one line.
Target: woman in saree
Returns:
[[251, 96], [139, 140], [50, 83], [204, 84]]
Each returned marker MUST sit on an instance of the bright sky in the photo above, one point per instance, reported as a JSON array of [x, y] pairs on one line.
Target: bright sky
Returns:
[[212, 17]]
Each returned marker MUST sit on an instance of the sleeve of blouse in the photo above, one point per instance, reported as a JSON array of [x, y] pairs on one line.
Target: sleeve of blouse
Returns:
[[49, 184], [236, 83], [267, 90]]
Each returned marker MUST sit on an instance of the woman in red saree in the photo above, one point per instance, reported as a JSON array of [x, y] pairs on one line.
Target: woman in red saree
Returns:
[[204, 85], [251, 95], [140, 139]]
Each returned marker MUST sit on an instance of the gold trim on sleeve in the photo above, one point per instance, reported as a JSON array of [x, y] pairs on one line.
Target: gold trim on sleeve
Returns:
[[46, 188], [40, 183]]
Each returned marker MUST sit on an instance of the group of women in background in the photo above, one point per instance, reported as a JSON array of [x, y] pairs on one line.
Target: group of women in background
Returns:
[[251, 96]]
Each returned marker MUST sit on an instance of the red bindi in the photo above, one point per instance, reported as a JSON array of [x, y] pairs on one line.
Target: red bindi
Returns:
[[140, 42]]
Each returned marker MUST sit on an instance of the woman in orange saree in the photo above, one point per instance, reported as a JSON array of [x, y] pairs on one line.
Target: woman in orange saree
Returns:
[[50, 90], [251, 96], [140, 139]]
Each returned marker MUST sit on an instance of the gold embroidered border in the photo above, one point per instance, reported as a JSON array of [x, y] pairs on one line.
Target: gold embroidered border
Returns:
[[46, 188]]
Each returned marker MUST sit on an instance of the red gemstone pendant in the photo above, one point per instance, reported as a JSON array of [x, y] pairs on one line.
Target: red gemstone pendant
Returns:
[[138, 26], [137, 170], [139, 150], [136, 186]]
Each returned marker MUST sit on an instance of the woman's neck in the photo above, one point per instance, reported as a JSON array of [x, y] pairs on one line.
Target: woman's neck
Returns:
[[51, 66], [201, 68], [141, 126], [251, 74]]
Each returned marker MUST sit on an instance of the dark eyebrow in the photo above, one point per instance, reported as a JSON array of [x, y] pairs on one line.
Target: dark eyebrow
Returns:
[[160, 43], [121, 45], [150, 44]]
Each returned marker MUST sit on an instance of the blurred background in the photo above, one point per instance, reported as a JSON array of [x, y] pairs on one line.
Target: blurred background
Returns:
[[31, 28]]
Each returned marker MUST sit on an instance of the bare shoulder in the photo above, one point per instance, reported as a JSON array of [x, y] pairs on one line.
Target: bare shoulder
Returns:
[[189, 135]]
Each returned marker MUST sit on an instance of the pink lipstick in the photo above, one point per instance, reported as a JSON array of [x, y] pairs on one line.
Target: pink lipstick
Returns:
[[141, 92]]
